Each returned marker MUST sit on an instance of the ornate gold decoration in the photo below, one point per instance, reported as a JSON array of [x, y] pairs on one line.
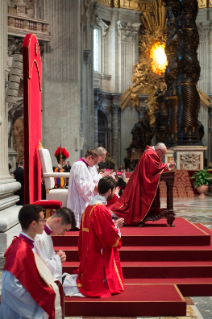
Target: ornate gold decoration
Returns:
[[203, 4], [158, 56], [40, 145], [145, 80], [139, 5]]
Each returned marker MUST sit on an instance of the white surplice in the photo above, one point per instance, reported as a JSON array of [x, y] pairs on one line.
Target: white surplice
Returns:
[[16, 301], [80, 189], [44, 248], [95, 175]]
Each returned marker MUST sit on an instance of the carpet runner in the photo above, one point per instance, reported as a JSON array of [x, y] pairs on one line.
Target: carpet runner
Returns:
[[159, 263]]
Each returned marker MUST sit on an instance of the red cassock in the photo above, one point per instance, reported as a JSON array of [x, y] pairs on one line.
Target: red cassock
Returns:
[[100, 273], [20, 262], [141, 193]]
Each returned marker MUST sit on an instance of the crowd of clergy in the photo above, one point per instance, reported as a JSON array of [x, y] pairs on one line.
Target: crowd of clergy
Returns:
[[33, 285]]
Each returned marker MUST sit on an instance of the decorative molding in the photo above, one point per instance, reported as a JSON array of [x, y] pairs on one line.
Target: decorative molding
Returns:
[[128, 31], [21, 8], [106, 77], [203, 29], [22, 25], [86, 55], [92, 13], [102, 25], [190, 160], [14, 45]]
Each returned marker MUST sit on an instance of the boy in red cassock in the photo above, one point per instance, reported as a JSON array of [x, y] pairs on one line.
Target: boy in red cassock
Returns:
[[100, 273]]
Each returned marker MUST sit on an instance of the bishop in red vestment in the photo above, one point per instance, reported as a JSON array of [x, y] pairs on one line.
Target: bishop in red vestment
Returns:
[[100, 273], [141, 194]]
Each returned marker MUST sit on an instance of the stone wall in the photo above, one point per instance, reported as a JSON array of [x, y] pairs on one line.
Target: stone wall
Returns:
[[119, 51], [9, 225], [204, 23], [62, 62]]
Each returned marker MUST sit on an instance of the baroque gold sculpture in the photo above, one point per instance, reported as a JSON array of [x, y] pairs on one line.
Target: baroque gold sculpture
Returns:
[[146, 79]]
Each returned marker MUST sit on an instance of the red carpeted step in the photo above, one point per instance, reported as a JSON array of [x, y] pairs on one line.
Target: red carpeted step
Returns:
[[187, 286], [152, 234], [147, 269], [136, 300], [151, 253], [204, 228]]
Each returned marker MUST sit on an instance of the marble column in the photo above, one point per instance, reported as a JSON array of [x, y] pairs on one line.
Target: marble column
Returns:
[[128, 52], [95, 124], [115, 128], [8, 210], [97, 104]]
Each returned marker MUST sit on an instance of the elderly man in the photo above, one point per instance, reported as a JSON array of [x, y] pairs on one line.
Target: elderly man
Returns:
[[141, 194], [93, 170], [82, 188]]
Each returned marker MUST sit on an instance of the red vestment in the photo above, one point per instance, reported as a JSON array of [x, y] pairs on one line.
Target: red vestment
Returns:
[[141, 190], [20, 262], [100, 273], [112, 201]]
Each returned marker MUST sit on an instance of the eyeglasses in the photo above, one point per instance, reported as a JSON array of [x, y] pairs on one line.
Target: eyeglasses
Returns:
[[42, 220]]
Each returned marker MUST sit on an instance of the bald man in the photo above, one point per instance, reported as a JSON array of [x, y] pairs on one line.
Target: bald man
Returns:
[[141, 195]]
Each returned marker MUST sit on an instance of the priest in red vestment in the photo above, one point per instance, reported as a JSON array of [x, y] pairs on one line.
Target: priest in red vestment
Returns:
[[100, 273], [141, 194]]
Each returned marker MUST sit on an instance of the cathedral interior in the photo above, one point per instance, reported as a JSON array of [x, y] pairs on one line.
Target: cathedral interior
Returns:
[[100, 71], [121, 74]]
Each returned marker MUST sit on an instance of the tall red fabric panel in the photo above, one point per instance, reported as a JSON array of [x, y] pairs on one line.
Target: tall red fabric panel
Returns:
[[32, 77]]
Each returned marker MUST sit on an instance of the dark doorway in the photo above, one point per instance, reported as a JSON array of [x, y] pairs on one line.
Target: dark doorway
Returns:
[[102, 130]]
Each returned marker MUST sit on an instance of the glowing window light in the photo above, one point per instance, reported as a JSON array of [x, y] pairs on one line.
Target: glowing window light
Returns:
[[95, 50], [159, 59]]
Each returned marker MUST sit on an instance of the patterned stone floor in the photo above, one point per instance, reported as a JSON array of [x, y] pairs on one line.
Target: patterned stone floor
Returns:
[[196, 210]]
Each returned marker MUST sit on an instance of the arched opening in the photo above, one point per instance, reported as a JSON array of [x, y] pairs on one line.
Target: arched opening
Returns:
[[102, 130]]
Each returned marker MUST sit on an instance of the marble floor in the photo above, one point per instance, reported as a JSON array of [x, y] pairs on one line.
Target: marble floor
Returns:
[[196, 210]]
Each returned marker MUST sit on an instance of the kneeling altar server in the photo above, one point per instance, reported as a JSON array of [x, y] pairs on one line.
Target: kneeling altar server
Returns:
[[100, 273], [58, 224]]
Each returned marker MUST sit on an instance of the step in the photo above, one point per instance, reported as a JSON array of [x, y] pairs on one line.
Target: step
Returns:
[[151, 253], [204, 228], [151, 234], [187, 286], [135, 300], [148, 269]]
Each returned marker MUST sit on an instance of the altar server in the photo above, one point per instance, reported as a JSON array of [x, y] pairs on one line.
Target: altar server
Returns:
[[58, 224], [24, 292], [100, 273], [81, 185]]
